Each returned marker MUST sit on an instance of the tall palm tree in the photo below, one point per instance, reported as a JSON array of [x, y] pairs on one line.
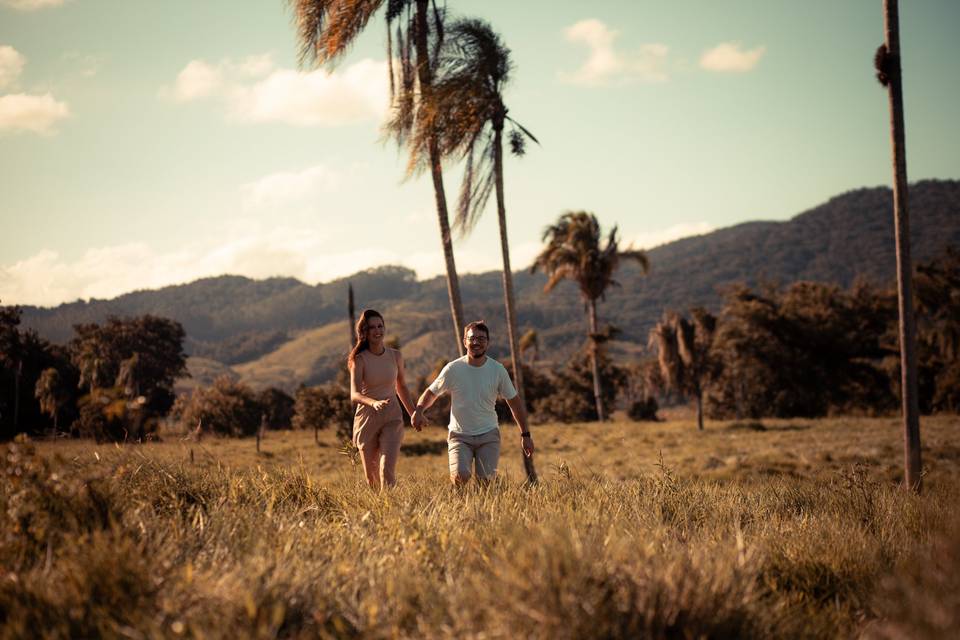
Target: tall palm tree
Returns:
[[327, 28], [465, 117], [887, 62], [574, 252]]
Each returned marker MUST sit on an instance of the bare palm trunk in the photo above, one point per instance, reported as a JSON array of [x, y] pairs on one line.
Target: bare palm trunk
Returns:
[[699, 395], [508, 299], [453, 282], [908, 358], [16, 395], [594, 357], [353, 316]]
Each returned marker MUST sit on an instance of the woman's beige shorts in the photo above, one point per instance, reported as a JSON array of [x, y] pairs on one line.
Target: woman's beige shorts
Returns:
[[464, 450]]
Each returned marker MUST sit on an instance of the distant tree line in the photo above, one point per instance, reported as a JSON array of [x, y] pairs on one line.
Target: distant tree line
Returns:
[[110, 381], [814, 349], [809, 349]]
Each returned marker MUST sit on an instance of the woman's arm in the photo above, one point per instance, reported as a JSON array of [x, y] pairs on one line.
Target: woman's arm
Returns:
[[356, 377], [402, 392]]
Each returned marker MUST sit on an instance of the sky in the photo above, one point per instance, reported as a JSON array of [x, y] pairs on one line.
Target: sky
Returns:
[[144, 144]]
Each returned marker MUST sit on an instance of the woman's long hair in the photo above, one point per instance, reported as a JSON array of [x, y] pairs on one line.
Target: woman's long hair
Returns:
[[361, 331]]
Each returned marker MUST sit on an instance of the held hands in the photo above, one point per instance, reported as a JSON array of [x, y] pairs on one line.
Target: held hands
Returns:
[[418, 420]]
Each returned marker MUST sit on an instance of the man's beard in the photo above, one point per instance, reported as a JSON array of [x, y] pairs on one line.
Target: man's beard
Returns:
[[477, 352]]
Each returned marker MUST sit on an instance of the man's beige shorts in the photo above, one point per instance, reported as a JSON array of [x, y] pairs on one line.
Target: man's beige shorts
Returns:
[[464, 451]]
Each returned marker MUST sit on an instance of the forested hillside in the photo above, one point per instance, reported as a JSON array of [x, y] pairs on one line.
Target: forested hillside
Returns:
[[281, 331]]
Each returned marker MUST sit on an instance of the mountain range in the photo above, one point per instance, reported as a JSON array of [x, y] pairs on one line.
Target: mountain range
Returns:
[[283, 332]]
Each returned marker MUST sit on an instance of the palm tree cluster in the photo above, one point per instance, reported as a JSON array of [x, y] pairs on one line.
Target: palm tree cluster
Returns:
[[683, 353], [446, 88]]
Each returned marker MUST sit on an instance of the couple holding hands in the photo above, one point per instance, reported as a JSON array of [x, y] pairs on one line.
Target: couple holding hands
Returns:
[[474, 382]]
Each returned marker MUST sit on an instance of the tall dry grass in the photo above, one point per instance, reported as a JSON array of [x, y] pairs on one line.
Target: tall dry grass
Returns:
[[139, 542]]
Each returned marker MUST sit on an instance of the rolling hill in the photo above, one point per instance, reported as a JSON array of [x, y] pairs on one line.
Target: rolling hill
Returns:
[[283, 332]]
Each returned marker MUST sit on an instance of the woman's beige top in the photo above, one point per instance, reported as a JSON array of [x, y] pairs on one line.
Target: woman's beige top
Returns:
[[379, 374]]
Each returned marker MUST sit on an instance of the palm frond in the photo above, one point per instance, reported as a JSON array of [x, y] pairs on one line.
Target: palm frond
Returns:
[[395, 9], [522, 128], [639, 256]]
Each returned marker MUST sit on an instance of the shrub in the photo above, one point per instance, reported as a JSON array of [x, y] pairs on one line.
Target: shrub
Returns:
[[571, 398], [319, 407], [644, 410], [228, 408], [109, 416], [278, 408]]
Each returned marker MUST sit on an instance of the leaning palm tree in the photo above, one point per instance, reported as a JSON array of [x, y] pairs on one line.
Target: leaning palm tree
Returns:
[[887, 62], [574, 252], [327, 28], [465, 117]]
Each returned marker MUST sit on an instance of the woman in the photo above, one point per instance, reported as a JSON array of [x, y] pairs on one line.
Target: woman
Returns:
[[376, 380]]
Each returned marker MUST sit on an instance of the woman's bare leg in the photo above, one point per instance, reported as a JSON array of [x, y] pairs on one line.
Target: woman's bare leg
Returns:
[[370, 456], [390, 439]]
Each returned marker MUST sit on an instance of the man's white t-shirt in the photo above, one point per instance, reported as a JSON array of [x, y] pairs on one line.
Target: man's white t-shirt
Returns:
[[473, 394]]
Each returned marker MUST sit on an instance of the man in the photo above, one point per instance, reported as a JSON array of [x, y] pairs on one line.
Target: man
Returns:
[[474, 381]]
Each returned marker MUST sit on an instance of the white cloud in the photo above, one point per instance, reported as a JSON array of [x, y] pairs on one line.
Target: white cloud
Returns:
[[731, 57], [21, 111], [11, 65], [39, 114], [31, 5], [254, 91], [197, 80], [650, 239], [606, 65], [291, 187]]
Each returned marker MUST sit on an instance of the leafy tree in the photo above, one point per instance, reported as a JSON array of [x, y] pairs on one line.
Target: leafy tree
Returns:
[[320, 406], [327, 28], [575, 251], [684, 355], [143, 355], [938, 306], [278, 408], [24, 356], [228, 408], [805, 351], [11, 357]]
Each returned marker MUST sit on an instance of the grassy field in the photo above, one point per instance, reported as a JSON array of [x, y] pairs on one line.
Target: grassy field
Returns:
[[780, 529]]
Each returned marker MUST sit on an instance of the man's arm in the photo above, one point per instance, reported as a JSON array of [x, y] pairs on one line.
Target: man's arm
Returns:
[[426, 400], [520, 417]]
